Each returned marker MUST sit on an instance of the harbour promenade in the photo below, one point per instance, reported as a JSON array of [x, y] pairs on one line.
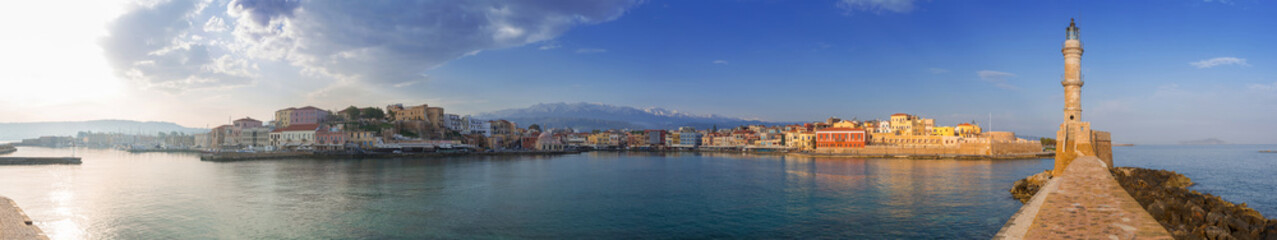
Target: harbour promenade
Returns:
[[1085, 202], [14, 224]]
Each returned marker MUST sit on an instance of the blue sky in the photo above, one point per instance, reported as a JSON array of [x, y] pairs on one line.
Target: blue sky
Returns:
[[1156, 71]]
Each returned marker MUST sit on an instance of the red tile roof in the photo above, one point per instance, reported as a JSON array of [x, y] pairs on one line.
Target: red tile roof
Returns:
[[298, 127]]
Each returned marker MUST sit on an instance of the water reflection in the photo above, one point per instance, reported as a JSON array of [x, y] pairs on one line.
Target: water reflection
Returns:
[[117, 195]]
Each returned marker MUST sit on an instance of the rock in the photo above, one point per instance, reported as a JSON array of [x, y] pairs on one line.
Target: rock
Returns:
[[1189, 214], [1024, 189], [1216, 233], [1158, 210]]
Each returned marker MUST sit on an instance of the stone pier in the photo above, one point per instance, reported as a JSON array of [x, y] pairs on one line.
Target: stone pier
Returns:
[[14, 224], [1085, 202]]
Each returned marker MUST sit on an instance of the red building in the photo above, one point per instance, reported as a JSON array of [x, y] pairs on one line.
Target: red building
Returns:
[[840, 138]]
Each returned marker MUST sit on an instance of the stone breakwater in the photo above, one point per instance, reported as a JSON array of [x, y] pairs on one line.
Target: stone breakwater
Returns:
[[1186, 214], [1024, 189], [14, 224]]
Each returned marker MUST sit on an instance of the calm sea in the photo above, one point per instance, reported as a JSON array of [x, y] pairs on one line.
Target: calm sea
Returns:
[[118, 195]]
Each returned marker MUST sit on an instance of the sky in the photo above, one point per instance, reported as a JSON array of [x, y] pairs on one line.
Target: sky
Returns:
[[1155, 71]]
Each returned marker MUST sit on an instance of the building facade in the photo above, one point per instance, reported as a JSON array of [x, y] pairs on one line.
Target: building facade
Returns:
[[835, 138]]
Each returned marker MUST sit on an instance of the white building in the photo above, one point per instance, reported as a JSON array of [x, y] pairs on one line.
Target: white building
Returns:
[[477, 126], [296, 135], [454, 122]]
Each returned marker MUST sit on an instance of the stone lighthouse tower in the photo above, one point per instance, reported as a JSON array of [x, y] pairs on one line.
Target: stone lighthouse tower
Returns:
[[1072, 74], [1075, 138]]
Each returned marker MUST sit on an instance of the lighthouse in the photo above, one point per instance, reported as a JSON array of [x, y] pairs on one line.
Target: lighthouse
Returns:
[[1072, 79], [1075, 138]]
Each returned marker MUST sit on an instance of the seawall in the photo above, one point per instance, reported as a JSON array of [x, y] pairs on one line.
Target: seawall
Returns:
[[233, 156], [38, 160], [1085, 202], [14, 224]]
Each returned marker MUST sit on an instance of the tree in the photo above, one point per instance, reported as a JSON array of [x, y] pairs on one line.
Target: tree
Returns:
[[353, 111], [372, 112], [1048, 141], [534, 127]]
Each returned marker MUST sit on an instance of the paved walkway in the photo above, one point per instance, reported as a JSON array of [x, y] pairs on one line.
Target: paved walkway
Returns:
[[1085, 203], [14, 224]]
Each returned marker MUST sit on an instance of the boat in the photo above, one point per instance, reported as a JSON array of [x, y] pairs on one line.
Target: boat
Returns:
[[1268, 151]]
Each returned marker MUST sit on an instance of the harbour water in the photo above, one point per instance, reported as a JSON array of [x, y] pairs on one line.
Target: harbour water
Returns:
[[120, 195]]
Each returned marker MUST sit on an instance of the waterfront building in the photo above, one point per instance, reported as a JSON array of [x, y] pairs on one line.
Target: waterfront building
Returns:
[[943, 131], [477, 126], [454, 122], [363, 139], [398, 112], [846, 124], [800, 139], [549, 142], [330, 138], [282, 117], [247, 122], [837, 138], [905, 124], [654, 137], [294, 136], [967, 130], [689, 138], [304, 115], [254, 137]]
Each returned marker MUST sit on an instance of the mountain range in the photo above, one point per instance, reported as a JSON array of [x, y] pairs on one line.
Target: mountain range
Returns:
[[25, 130], [590, 116]]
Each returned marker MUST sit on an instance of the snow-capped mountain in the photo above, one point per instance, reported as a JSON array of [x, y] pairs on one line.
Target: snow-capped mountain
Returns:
[[587, 116]]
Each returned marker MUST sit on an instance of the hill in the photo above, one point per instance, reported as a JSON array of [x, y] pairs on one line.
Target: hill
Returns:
[[590, 116], [17, 131]]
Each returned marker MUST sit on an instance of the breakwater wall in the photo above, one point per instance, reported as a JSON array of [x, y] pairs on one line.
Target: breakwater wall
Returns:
[[235, 156], [1085, 202], [14, 224], [38, 160], [1186, 214]]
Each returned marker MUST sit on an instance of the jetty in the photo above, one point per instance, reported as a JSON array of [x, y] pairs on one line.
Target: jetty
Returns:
[[1084, 202], [14, 224], [38, 160]]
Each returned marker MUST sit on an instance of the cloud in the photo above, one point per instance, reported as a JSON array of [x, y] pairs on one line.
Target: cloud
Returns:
[[550, 45], [876, 6], [998, 79], [720, 61], [937, 70], [591, 50], [1263, 87], [177, 45], [1219, 61], [153, 46]]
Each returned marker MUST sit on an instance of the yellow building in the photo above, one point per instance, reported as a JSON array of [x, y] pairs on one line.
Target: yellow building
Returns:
[[801, 140], [846, 124], [943, 131], [905, 124], [283, 117], [402, 113], [967, 130]]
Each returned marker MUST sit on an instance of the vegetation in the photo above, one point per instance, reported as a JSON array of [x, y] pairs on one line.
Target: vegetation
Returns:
[[373, 113], [1047, 141], [534, 127]]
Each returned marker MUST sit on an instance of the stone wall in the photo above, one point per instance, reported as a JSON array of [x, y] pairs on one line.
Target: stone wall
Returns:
[[976, 148]]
